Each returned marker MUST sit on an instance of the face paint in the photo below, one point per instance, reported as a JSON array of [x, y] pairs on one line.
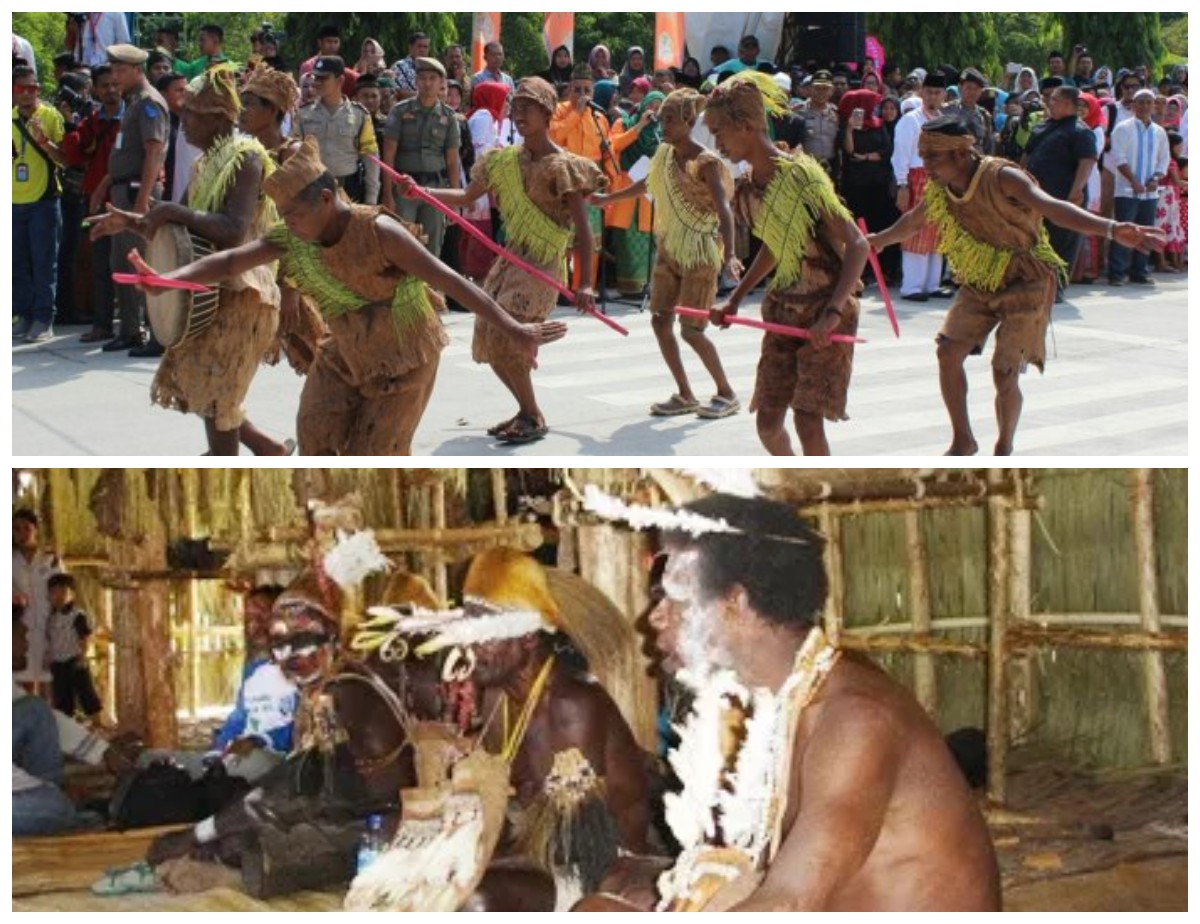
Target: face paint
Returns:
[[698, 646]]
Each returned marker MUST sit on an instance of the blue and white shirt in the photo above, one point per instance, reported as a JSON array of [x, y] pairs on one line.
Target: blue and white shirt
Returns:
[[266, 709], [1145, 149]]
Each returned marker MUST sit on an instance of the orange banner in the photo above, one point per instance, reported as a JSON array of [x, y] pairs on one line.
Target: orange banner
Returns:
[[487, 29], [668, 40], [559, 29]]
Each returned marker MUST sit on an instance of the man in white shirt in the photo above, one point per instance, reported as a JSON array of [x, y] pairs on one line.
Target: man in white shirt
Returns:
[[1141, 155], [32, 569], [922, 264], [95, 32]]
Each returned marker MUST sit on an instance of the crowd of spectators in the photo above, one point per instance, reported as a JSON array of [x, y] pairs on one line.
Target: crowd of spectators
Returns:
[[1113, 140]]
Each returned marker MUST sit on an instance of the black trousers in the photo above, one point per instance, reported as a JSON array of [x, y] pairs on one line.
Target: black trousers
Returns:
[[71, 686]]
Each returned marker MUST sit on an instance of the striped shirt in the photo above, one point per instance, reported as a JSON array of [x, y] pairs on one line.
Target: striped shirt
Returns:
[[1145, 150]]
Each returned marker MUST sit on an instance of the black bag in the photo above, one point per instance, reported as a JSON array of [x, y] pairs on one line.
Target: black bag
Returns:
[[162, 794], [218, 789]]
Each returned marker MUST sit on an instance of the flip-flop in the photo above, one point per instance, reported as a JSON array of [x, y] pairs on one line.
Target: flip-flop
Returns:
[[719, 408], [675, 407], [132, 880], [524, 430]]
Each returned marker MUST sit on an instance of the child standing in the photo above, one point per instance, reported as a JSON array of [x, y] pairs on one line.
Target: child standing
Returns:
[[67, 632]]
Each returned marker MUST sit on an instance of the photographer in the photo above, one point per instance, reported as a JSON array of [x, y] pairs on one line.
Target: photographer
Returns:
[[90, 34], [86, 148]]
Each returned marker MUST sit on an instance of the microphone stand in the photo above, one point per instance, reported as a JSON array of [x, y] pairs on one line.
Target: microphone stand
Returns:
[[606, 158]]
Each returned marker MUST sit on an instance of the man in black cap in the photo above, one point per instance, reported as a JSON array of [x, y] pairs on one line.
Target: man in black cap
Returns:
[[422, 140], [343, 131], [971, 85], [329, 45], [135, 168], [820, 120]]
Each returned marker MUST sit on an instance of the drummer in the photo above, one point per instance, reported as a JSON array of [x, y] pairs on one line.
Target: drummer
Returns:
[[372, 279], [208, 372]]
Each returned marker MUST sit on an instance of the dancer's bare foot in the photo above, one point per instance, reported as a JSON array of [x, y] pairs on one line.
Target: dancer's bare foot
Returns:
[[1004, 449], [963, 448]]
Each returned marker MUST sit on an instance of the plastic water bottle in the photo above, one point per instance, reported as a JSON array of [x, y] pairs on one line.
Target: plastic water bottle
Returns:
[[371, 845]]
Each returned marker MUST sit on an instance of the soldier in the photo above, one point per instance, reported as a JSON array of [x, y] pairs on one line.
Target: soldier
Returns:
[[422, 140], [343, 131], [970, 87]]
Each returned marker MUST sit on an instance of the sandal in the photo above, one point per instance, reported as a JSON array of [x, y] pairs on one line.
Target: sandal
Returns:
[[290, 447], [132, 880], [501, 427], [522, 431], [719, 408], [675, 407]]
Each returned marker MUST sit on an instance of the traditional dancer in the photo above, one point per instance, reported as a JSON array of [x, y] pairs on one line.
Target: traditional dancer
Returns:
[[371, 278], [922, 278], [267, 98], [811, 780], [209, 374], [818, 256], [988, 214], [576, 776], [694, 228], [542, 191]]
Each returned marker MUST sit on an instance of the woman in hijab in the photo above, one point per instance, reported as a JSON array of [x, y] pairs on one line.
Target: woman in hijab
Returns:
[[1027, 80], [866, 168], [600, 61], [561, 67], [691, 75], [635, 67], [1102, 80], [889, 115], [1087, 265], [372, 59], [490, 128], [634, 137]]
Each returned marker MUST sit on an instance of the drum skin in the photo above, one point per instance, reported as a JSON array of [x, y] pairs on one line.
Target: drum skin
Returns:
[[177, 316]]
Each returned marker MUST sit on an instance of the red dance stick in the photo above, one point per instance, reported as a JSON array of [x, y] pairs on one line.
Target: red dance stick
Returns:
[[798, 332], [883, 289], [494, 247], [158, 282]]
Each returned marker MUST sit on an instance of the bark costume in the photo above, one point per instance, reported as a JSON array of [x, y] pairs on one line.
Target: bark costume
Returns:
[[1000, 253]]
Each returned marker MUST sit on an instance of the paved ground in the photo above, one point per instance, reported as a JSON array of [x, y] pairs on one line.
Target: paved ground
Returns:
[[1116, 385]]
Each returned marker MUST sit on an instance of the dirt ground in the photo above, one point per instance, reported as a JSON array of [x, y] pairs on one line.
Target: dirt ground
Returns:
[[1153, 885]]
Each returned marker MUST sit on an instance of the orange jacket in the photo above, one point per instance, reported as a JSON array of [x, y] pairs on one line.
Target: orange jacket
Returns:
[[578, 132]]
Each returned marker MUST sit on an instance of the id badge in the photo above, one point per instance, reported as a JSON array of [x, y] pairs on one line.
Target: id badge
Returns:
[[22, 173]]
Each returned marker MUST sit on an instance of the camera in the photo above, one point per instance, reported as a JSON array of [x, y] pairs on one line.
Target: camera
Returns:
[[72, 100], [79, 18]]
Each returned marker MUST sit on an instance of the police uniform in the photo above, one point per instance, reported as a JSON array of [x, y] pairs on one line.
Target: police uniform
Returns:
[[145, 119], [345, 137], [423, 137], [821, 126]]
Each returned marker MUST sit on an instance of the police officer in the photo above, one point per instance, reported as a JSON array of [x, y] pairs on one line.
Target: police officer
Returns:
[[971, 84], [343, 131], [422, 140], [821, 120], [135, 167]]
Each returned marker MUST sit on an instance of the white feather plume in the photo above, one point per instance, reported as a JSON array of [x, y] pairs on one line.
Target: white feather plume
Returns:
[[744, 806], [354, 558], [643, 518], [474, 630]]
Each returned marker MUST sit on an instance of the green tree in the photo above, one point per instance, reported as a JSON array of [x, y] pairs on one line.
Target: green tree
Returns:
[[1175, 37], [927, 39], [389, 29], [1116, 39], [46, 32], [1026, 38]]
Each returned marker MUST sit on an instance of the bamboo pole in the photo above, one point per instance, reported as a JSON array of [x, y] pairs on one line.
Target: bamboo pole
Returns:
[[997, 701], [500, 495], [924, 677], [1023, 638], [191, 524], [1021, 675], [911, 644], [1154, 672], [513, 532], [1042, 620], [835, 606], [441, 582]]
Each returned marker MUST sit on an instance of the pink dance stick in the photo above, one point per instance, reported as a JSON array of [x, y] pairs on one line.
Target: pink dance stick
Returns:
[[782, 329], [494, 247], [883, 289], [158, 282]]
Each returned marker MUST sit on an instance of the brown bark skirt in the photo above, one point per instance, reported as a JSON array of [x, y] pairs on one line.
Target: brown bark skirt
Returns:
[[791, 374], [1019, 314], [527, 300], [210, 374], [342, 416]]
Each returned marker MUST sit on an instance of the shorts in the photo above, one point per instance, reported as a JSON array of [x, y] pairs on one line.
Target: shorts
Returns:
[[673, 287], [1019, 314], [791, 374]]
